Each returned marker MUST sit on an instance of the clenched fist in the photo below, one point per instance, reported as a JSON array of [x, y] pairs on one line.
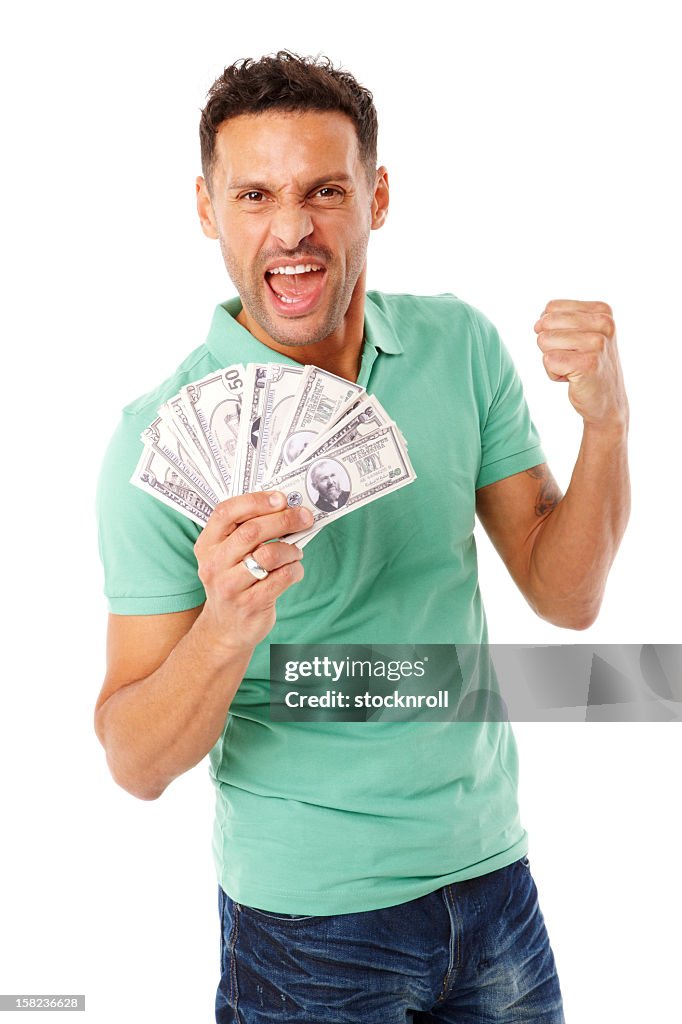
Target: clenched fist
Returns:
[[578, 340]]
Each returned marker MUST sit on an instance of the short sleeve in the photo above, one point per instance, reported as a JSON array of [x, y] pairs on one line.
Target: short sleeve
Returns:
[[147, 549], [509, 440]]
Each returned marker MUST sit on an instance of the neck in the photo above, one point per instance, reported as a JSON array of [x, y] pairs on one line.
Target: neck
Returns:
[[339, 353]]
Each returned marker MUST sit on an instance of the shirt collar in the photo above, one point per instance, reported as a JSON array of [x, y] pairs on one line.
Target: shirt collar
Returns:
[[379, 330], [229, 342]]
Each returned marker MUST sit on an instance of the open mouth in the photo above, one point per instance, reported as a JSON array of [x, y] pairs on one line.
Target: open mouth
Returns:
[[295, 288]]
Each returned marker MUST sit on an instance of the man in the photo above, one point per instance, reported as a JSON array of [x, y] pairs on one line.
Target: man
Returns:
[[368, 871], [324, 476]]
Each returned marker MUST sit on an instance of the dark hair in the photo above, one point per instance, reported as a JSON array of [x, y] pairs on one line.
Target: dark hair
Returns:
[[287, 82]]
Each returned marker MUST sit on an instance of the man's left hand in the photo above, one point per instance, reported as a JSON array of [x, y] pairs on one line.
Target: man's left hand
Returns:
[[578, 340]]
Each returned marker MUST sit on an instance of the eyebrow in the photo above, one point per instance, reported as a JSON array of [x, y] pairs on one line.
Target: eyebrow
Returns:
[[260, 186]]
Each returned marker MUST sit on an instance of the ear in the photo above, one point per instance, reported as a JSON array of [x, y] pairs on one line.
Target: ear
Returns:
[[205, 209], [380, 199]]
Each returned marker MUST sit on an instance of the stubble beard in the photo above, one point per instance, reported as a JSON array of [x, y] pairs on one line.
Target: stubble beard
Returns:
[[338, 294]]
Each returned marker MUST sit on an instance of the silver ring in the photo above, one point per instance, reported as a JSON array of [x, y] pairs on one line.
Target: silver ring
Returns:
[[254, 567]]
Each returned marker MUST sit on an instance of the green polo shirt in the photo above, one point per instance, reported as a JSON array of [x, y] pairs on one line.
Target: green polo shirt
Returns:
[[337, 817]]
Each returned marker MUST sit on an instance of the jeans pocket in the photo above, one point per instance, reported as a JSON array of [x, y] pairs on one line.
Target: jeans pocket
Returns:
[[277, 915], [222, 910]]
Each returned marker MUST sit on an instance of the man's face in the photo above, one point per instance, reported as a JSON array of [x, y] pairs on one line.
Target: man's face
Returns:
[[326, 483], [292, 207]]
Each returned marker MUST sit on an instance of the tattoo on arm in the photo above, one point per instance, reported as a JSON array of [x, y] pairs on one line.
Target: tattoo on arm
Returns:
[[549, 495]]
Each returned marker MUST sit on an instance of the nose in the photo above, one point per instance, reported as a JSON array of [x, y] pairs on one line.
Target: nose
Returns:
[[291, 224]]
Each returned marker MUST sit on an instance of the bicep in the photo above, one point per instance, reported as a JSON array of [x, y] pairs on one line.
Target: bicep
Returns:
[[513, 511], [137, 645]]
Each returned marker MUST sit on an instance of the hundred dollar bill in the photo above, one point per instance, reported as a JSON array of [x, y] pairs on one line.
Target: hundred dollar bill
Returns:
[[213, 406], [321, 400], [159, 477], [268, 391], [347, 478], [161, 438]]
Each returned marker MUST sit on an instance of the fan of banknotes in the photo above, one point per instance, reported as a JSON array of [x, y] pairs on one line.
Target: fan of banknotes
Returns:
[[321, 440]]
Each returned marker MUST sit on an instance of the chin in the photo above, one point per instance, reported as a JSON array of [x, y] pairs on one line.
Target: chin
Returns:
[[297, 333], [299, 342]]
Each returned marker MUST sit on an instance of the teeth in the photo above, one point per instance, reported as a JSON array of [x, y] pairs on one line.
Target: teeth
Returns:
[[300, 268]]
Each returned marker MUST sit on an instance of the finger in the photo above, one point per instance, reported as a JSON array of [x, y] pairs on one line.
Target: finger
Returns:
[[576, 341], [558, 305], [224, 573], [569, 365], [251, 534], [266, 591], [227, 516], [270, 557], [576, 320]]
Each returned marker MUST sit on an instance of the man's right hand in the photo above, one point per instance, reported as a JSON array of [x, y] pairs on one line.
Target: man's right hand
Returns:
[[240, 610], [171, 678]]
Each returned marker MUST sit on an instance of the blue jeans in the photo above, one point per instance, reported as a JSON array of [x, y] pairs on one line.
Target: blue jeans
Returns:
[[474, 952]]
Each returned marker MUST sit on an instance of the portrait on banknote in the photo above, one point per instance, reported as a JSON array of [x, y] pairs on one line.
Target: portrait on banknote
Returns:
[[296, 444], [328, 485]]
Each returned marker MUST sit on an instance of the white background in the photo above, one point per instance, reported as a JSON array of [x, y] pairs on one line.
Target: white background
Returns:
[[533, 151]]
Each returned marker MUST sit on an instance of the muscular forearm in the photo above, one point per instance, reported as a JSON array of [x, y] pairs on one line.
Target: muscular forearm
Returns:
[[171, 678], [158, 727], [575, 545]]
